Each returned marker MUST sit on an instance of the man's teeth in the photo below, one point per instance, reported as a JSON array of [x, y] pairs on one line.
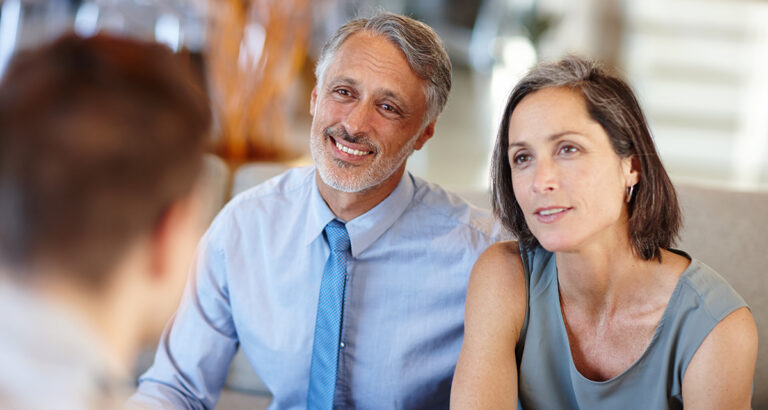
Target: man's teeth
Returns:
[[350, 150], [551, 211]]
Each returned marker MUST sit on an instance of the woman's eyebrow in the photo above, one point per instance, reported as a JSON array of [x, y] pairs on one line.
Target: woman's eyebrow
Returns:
[[550, 138]]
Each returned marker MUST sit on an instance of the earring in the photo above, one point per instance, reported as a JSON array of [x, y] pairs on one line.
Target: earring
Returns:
[[629, 193]]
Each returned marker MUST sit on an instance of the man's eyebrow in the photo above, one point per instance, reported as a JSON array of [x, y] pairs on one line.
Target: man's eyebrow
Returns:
[[550, 138], [343, 81], [401, 103]]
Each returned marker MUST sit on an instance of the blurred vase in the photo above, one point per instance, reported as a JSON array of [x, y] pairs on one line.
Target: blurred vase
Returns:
[[254, 52]]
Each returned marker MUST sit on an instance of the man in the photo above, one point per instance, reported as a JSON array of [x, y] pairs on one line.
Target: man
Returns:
[[101, 141], [343, 283]]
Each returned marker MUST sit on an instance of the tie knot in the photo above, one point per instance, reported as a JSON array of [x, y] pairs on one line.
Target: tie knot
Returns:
[[338, 238]]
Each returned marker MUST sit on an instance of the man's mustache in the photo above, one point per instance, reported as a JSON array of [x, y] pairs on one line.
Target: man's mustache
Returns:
[[339, 133]]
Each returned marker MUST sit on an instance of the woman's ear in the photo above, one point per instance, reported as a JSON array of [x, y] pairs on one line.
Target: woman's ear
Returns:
[[630, 167]]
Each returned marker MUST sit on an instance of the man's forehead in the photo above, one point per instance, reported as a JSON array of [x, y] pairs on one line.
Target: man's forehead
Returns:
[[373, 52], [366, 44]]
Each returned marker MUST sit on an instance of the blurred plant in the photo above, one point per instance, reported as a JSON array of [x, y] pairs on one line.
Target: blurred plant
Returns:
[[254, 53]]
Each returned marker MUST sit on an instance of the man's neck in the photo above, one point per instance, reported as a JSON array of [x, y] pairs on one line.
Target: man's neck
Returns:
[[349, 205], [105, 313]]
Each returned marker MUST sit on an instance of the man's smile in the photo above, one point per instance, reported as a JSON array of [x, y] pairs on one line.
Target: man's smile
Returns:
[[350, 150]]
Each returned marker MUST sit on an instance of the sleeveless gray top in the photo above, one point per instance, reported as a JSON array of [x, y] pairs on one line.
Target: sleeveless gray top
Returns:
[[547, 377]]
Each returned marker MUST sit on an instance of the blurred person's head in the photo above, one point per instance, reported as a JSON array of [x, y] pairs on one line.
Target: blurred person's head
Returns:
[[381, 84], [626, 181], [101, 143]]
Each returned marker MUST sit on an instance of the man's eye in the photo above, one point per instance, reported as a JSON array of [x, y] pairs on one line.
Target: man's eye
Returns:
[[388, 107], [343, 92]]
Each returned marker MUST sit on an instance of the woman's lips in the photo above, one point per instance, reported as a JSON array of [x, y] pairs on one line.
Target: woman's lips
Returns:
[[551, 214]]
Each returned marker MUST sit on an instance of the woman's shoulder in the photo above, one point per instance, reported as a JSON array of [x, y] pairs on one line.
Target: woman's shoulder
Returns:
[[498, 279], [496, 296], [727, 329], [711, 290], [501, 258], [707, 318], [501, 248], [494, 315]]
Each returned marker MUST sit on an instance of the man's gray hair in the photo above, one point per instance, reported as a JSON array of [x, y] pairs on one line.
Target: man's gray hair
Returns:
[[423, 50]]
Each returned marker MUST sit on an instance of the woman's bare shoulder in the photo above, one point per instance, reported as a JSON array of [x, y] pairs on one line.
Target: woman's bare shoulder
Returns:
[[712, 382], [497, 281], [486, 372], [501, 257]]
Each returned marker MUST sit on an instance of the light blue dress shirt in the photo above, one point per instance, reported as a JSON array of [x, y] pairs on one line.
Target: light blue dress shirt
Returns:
[[256, 284]]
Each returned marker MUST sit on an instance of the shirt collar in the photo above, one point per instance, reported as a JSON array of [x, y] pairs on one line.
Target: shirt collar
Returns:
[[366, 228], [319, 214]]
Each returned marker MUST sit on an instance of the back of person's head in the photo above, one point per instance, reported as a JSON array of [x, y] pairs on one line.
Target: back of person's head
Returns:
[[422, 47], [654, 212], [98, 137]]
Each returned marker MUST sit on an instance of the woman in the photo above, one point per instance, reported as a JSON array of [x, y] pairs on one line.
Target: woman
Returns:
[[592, 309]]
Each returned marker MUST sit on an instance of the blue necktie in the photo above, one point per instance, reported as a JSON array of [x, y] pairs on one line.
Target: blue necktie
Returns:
[[325, 349]]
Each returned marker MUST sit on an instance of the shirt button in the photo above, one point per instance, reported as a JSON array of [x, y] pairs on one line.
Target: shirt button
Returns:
[[341, 345]]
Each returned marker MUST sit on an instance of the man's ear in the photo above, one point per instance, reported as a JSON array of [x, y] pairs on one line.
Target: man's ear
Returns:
[[165, 235], [428, 132], [312, 101]]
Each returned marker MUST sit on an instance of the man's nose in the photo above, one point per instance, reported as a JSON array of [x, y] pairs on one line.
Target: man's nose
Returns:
[[358, 118]]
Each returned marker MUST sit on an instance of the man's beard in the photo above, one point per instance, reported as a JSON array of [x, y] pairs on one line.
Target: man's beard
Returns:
[[332, 170]]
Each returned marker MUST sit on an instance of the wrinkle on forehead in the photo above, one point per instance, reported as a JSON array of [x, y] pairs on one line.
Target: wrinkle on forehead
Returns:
[[365, 54]]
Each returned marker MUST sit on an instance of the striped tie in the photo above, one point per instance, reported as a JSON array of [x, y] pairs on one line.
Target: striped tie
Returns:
[[327, 342]]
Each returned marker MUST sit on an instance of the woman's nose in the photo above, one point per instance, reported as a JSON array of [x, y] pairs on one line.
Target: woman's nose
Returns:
[[546, 176]]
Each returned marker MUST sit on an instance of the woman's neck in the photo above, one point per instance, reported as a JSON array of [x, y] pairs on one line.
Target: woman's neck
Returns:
[[603, 278], [604, 282]]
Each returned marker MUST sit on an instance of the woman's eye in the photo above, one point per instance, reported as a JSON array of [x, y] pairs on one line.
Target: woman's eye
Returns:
[[520, 159], [568, 149]]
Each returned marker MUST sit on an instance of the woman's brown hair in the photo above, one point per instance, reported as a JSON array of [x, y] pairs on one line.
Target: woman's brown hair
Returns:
[[654, 213]]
